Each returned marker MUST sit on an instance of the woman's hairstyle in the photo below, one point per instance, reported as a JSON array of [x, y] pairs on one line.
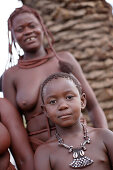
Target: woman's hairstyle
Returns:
[[26, 9], [64, 66], [60, 75]]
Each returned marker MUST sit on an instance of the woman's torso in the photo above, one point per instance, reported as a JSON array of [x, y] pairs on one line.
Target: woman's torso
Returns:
[[27, 83]]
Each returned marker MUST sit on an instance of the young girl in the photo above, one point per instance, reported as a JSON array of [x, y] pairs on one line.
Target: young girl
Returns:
[[21, 83], [74, 145]]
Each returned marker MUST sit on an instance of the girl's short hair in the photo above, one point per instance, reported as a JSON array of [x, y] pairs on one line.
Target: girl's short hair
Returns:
[[61, 75]]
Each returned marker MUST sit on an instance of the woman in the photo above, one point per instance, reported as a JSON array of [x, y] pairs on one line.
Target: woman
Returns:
[[21, 83], [13, 136]]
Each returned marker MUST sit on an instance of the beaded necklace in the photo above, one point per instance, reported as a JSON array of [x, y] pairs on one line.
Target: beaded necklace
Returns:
[[79, 158]]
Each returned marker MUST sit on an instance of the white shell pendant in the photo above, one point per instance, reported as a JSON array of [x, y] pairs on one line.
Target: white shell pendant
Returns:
[[80, 160]]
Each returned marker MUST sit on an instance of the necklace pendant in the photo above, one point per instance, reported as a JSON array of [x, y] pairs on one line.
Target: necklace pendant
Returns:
[[80, 160]]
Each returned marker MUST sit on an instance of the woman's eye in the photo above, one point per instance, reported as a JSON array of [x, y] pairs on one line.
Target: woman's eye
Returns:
[[52, 102], [32, 26], [69, 97], [20, 29]]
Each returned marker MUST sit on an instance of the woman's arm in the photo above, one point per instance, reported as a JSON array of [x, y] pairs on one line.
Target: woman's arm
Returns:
[[8, 86], [20, 146]]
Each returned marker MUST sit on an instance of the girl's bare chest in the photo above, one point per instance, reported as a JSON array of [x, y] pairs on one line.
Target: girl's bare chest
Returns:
[[95, 152]]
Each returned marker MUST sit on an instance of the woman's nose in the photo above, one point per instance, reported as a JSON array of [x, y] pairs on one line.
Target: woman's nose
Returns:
[[27, 31]]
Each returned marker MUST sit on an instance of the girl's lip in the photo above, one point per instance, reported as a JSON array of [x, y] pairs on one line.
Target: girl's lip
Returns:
[[65, 116]]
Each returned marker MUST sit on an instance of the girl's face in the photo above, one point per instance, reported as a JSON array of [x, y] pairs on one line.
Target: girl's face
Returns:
[[27, 31], [62, 102]]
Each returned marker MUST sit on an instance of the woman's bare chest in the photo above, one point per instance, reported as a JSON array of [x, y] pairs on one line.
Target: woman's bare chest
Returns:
[[28, 82]]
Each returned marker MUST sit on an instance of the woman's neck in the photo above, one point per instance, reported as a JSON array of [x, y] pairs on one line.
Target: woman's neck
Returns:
[[40, 53]]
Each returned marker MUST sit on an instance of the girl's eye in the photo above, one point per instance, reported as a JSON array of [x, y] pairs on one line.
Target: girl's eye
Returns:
[[52, 102], [69, 97]]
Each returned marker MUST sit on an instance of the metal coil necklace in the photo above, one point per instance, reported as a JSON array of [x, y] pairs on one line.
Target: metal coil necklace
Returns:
[[79, 158]]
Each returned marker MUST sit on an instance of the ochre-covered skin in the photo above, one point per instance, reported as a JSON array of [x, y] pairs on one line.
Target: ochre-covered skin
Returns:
[[63, 105], [4, 145], [22, 85]]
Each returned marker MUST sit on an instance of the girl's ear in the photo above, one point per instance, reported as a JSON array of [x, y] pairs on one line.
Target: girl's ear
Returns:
[[83, 101], [44, 110]]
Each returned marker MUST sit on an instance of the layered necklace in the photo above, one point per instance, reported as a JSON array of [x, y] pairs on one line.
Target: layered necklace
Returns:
[[79, 158], [35, 62]]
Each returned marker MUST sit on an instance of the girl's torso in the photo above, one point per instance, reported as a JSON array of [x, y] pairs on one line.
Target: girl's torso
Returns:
[[60, 157]]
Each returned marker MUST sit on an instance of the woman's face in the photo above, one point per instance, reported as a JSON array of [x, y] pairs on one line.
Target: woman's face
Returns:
[[28, 32]]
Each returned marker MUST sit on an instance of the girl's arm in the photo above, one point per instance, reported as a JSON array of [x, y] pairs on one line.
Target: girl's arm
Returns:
[[108, 141]]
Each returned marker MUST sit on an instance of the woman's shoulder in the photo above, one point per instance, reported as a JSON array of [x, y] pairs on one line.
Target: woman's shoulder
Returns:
[[10, 72], [11, 69], [67, 56]]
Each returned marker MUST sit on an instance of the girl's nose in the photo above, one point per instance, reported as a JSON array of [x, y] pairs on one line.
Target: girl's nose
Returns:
[[62, 106]]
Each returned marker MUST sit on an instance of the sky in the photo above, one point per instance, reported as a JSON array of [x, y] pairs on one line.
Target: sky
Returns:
[[6, 8]]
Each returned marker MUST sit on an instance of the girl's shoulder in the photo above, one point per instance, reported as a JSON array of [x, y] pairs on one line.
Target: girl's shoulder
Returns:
[[101, 133]]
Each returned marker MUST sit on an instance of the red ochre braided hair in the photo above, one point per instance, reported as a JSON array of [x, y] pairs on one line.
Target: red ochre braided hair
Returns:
[[64, 66]]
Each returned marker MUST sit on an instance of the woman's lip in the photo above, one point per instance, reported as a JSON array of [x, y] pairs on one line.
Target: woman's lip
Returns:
[[31, 38]]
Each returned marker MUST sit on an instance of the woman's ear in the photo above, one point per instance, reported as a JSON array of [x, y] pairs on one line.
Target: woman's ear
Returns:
[[83, 101], [44, 110]]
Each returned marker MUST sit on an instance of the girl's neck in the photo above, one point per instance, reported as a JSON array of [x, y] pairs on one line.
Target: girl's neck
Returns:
[[40, 53], [72, 130]]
